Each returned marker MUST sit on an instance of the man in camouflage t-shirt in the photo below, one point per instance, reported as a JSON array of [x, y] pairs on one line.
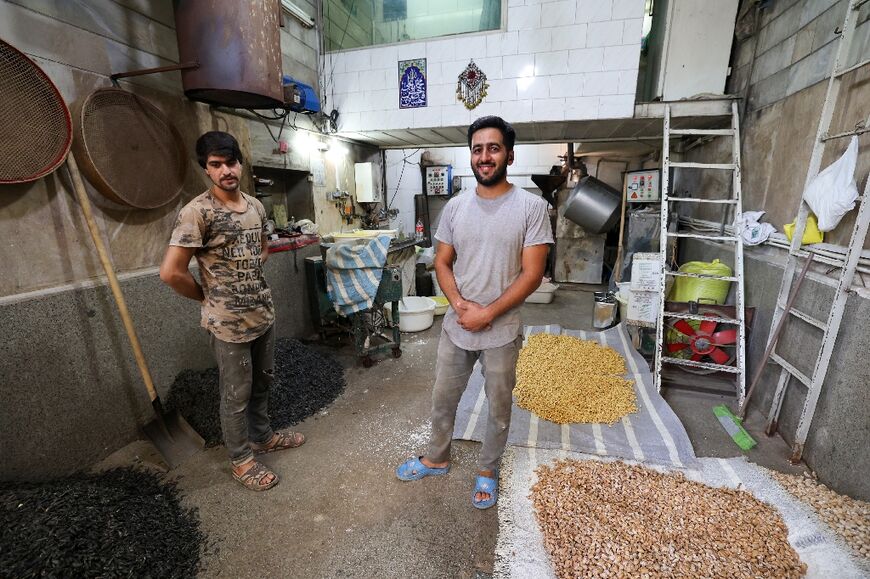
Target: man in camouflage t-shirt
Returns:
[[223, 229]]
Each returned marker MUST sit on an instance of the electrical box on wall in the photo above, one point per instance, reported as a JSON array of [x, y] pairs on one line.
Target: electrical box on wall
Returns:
[[366, 192], [439, 180], [642, 186]]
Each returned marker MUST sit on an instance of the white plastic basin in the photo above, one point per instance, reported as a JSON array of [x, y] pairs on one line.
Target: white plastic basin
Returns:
[[544, 294], [416, 313]]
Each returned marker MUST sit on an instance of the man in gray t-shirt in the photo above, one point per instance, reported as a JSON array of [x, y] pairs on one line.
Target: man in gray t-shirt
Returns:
[[492, 249]]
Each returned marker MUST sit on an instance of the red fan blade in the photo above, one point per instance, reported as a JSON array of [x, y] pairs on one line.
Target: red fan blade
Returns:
[[675, 347], [697, 357], [719, 356], [683, 326], [708, 327], [725, 337]]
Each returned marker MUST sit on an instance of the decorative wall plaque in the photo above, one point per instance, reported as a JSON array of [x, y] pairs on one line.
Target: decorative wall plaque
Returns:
[[412, 83], [472, 86]]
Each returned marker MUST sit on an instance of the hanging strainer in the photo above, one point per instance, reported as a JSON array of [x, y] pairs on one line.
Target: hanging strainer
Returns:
[[35, 140], [35, 132], [129, 150]]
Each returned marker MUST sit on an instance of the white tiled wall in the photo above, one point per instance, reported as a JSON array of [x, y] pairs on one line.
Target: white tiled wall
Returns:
[[402, 186], [557, 60]]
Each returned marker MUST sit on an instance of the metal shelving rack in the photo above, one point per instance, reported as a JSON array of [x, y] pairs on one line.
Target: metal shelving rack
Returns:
[[739, 369]]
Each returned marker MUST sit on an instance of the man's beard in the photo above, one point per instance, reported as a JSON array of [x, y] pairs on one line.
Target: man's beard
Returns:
[[228, 186], [498, 176]]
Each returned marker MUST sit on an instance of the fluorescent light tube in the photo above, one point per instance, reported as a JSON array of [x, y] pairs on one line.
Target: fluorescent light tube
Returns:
[[297, 13]]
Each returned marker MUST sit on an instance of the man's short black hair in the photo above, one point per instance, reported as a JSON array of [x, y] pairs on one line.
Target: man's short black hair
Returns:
[[492, 122], [217, 143]]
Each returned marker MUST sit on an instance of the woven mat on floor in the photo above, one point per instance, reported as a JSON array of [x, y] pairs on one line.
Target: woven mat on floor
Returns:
[[653, 434]]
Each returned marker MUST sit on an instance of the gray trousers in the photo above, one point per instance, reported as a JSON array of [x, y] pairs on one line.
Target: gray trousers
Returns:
[[246, 375], [452, 370]]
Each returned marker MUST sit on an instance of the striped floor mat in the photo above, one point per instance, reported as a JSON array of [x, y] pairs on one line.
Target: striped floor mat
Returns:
[[653, 434]]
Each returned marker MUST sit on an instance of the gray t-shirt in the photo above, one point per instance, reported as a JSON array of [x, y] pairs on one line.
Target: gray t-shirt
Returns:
[[488, 236]]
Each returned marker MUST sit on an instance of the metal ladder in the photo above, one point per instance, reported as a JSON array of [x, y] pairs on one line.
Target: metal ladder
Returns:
[[830, 329], [739, 369]]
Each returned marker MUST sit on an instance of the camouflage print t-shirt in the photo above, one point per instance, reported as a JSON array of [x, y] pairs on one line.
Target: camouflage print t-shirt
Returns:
[[238, 303]]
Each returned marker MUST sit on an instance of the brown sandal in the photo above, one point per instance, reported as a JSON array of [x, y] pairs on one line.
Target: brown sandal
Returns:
[[252, 477], [284, 439]]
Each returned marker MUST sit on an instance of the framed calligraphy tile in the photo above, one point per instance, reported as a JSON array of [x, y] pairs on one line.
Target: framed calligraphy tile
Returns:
[[412, 83]]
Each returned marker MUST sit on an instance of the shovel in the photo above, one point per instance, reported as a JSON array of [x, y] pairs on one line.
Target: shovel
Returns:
[[170, 433]]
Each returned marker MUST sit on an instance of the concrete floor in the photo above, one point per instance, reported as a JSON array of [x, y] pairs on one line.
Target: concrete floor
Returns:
[[339, 511]]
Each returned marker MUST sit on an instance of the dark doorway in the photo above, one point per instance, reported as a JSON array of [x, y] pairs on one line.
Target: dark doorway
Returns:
[[289, 193]]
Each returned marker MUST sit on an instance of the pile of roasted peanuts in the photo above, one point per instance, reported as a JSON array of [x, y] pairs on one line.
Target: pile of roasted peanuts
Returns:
[[616, 520], [564, 379], [848, 517]]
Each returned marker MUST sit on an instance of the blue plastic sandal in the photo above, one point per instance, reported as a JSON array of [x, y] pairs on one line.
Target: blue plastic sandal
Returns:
[[485, 484], [413, 469]]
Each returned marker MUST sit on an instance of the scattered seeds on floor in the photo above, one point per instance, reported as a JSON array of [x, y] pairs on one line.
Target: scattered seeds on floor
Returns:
[[119, 523], [305, 382], [848, 517], [617, 520], [564, 379]]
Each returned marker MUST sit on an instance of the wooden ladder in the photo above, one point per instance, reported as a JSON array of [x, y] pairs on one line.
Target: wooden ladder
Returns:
[[831, 327]]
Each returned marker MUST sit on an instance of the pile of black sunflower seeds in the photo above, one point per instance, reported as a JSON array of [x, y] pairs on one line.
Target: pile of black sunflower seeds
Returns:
[[305, 382], [119, 523]]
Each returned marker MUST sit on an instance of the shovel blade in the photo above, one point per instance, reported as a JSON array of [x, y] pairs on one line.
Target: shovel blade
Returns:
[[174, 438]]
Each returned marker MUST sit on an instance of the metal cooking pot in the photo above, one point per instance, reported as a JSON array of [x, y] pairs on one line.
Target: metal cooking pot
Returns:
[[593, 205]]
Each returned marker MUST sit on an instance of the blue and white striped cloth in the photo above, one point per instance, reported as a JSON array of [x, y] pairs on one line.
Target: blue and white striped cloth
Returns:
[[653, 434], [353, 274]]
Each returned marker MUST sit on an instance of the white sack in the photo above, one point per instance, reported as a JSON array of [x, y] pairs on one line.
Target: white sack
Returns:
[[833, 192]]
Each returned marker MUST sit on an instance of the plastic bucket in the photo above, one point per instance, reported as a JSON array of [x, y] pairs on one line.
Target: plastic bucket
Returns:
[[416, 313], [708, 291]]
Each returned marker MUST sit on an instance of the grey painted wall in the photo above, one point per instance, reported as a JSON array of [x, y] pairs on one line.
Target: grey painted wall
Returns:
[[840, 433], [78, 45], [70, 386], [71, 390], [299, 46], [779, 125], [793, 48]]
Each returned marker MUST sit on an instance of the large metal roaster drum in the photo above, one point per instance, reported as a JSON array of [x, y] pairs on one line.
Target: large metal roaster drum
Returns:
[[593, 205], [238, 47]]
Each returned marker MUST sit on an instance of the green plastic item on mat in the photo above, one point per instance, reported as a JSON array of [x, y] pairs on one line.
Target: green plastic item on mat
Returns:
[[733, 427], [705, 291]]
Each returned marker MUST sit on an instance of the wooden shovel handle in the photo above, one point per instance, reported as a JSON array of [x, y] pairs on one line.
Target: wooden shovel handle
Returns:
[[85, 203]]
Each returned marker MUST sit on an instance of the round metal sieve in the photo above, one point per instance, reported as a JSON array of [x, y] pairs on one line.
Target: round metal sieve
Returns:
[[129, 150], [36, 131]]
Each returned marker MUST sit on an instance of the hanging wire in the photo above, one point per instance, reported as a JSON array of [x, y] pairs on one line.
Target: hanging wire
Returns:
[[278, 117], [401, 174], [330, 86]]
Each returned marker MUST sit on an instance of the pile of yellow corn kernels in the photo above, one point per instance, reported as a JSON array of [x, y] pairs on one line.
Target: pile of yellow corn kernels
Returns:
[[564, 379]]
